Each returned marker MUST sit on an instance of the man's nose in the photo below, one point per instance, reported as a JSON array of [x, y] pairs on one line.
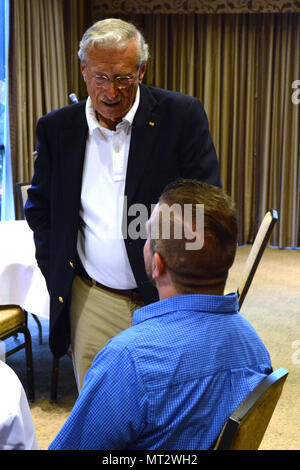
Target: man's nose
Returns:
[[111, 90]]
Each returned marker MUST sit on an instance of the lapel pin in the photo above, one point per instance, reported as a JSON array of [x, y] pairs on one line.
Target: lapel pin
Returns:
[[151, 123]]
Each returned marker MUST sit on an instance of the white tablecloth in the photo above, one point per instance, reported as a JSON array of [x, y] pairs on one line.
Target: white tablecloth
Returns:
[[21, 281]]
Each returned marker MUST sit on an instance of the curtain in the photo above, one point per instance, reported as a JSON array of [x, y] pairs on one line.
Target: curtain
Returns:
[[37, 71], [278, 142], [77, 18], [242, 68]]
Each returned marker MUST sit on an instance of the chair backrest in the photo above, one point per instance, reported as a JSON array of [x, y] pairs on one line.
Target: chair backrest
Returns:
[[245, 428], [21, 189], [256, 253]]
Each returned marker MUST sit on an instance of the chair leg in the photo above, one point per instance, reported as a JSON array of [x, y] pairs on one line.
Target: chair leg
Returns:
[[54, 379], [29, 365], [39, 327]]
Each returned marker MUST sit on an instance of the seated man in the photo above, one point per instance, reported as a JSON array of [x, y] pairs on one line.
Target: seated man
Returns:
[[172, 379], [16, 426]]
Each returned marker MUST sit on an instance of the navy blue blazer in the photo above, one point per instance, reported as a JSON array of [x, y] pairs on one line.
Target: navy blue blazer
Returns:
[[170, 139]]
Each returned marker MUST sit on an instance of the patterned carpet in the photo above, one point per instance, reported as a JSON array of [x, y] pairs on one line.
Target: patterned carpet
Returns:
[[272, 306]]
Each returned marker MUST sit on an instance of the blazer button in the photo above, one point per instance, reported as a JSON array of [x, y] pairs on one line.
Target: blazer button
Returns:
[[71, 264], [61, 299]]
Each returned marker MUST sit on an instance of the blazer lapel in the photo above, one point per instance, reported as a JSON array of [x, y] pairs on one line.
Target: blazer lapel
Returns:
[[145, 128]]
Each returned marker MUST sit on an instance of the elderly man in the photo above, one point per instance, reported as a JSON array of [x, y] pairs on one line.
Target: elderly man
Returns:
[[172, 380], [96, 161]]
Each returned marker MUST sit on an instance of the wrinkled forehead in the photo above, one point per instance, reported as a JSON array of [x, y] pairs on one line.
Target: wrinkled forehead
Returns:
[[126, 55]]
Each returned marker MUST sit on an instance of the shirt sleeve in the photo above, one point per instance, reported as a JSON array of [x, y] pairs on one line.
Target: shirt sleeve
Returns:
[[110, 410]]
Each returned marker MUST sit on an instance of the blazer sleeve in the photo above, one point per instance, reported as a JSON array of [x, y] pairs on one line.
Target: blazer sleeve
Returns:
[[198, 154], [37, 208]]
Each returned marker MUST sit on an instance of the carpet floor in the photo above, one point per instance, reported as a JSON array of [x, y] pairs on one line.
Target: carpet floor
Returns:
[[272, 306]]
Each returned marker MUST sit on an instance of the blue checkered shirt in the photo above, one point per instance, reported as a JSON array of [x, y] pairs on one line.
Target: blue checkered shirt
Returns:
[[171, 380]]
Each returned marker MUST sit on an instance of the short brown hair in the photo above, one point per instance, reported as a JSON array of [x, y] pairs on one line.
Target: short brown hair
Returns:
[[191, 269]]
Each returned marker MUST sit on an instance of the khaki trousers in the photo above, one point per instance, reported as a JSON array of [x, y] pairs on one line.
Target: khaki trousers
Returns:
[[97, 315]]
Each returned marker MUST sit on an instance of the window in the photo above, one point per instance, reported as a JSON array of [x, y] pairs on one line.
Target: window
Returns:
[[2, 95], [6, 193]]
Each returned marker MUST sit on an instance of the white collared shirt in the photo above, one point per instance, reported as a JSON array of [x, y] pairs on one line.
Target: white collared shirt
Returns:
[[100, 244]]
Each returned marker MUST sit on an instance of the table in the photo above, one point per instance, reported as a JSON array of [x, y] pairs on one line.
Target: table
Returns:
[[21, 281]]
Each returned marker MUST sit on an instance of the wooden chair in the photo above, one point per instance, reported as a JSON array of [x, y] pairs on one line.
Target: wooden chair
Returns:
[[256, 253], [245, 428], [13, 320]]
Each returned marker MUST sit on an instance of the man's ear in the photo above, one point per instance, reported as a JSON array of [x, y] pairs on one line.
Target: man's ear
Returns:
[[158, 266], [142, 72], [83, 70]]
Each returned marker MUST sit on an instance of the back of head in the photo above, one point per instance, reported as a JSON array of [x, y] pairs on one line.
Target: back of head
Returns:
[[112, 32], [204, 268]]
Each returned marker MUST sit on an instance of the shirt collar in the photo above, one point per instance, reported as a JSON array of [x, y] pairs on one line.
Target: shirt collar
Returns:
[[217, 304], [93, 122]]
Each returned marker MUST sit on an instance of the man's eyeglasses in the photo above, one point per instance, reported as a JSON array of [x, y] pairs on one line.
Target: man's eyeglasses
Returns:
[[120, 82]]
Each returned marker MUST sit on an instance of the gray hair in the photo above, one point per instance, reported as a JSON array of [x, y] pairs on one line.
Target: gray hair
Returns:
[[112, 32]]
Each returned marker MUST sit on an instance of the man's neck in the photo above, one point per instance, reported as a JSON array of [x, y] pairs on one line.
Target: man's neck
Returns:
[[107, 123], [166, 292]]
